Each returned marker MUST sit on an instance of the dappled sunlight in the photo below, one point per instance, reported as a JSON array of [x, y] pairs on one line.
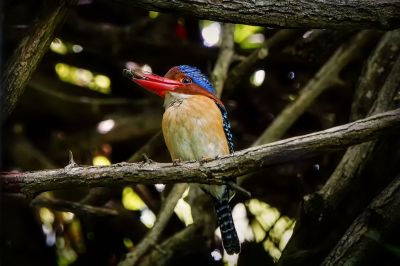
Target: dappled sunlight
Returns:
[[83, 78], [105, 126], [128, 243], [210, 33], [257, 78], [68, 217], [183, 209], [60, 47], [147, 217], [248, 37], [270, 227], [160, 187], [99, 160], [153, 14], [131, 200]]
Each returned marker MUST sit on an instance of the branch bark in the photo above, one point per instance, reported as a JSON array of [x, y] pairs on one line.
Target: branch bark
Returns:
[[176, 244], [294, 14], [374, 75], [220, 71], [216, 171], [27, 56], [360, 244]]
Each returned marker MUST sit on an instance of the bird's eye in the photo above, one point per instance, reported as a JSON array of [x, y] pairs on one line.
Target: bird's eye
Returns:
[[186, 80]]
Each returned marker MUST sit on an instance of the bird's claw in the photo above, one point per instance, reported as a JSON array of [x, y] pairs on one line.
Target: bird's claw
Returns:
[[176, 162], [205, 159]]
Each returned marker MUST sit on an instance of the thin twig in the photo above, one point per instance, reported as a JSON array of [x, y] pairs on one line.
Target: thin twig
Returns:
[[69, 206], [239, 189]]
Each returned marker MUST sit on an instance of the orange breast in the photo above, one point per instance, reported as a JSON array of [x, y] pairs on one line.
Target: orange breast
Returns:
[[192, 128]]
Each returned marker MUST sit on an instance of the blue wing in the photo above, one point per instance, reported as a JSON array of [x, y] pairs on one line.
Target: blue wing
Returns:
[[227, 127]]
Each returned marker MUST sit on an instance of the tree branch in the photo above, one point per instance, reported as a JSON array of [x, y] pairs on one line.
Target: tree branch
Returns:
[[224, 59], [240, 70], [293, 14], [154, 234], [350, 174], [326, 76], [216, 171], [176, 244], [70, 206], [373, 75], [355, 159], [379, 221], [27, 56]]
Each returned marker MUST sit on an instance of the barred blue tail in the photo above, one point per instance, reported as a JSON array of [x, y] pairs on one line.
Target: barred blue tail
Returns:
[[226, 225]]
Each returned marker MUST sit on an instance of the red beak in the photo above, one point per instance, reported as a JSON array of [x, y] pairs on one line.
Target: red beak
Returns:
[[152, 82]]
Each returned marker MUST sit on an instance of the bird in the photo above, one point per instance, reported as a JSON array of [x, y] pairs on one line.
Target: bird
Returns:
[[195, 126]]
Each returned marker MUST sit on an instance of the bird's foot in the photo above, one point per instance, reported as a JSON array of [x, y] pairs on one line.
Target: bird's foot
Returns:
[[205, 159], [176, 162]]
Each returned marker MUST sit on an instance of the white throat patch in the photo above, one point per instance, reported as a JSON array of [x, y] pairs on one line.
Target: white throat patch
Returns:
[[172, 98]]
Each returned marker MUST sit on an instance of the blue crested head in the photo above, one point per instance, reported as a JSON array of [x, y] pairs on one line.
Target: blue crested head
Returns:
[[199, 78]]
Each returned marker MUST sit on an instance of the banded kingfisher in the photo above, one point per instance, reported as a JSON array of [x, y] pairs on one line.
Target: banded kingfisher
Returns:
[[195, 126]]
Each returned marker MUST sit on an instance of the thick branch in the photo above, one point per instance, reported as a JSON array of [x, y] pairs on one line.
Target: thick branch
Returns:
[[27, 56], [379, 221], [212, 172], [289, 14], [374, 75]]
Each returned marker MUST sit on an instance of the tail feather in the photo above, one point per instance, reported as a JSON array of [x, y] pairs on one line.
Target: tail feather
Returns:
[[225, 221]]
